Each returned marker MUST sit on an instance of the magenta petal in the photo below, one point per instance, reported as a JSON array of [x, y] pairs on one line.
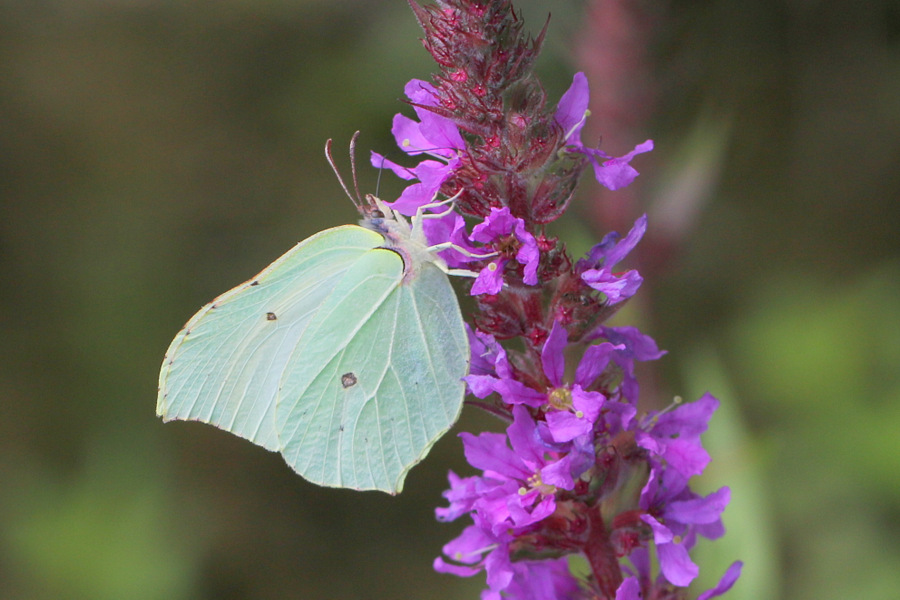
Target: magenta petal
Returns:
[[524, 439], [616, 288], [616, 173], [481, 386], [627, 244], [688, 420], [588, 403], [380, 162], [489, 452], [686, 457], [661, 533], [441, 566], [468, 546], [637, 345], [559, 473], [571, 108], [521, 517], [676, 564], [728, 579], [699, 510], [420, 92], [489, 280], [408, 135], [565, 427], [516, 392], [450, 228], [412, 197], [500, 222], [552, 354], [499, 568], [530, 256], [593, 362], [630, 589]]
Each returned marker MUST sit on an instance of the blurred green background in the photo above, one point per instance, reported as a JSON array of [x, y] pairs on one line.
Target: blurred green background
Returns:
[[155, 153]]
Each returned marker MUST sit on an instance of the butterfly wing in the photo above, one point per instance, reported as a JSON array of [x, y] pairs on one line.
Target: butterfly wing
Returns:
[[377, 378], [225, 366]]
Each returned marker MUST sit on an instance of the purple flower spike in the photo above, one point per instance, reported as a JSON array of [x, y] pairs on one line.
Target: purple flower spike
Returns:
[[576, 472]]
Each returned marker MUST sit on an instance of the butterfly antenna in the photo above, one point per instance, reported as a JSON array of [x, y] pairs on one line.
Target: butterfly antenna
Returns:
[[353, 165], [378, 181], [356, 202]]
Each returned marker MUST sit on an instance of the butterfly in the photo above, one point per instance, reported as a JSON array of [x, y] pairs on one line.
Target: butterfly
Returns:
[[346, 355]]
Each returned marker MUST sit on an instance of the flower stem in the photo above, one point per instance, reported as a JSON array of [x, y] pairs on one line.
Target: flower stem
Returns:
[[601, 555]]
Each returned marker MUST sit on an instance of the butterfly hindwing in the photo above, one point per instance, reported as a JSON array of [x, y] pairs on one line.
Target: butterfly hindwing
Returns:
[[407, 352]]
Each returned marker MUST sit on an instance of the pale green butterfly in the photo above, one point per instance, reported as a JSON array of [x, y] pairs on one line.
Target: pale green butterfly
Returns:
[[346, 355]]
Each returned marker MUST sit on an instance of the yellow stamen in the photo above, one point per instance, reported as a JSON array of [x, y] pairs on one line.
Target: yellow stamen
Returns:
[[560, 398]]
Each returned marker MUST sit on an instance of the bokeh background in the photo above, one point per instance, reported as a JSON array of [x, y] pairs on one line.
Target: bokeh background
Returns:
[[155, 153]]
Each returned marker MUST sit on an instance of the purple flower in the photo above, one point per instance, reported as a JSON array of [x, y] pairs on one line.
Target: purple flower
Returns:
[[432, 135], [477, 549], [497, 229], [674, 437], [604, 256], [674, 513], [539, 580], [573, 409], [661, 587], [637, 347], [674, 561], [491, 372], [611, 172], [519, 484]]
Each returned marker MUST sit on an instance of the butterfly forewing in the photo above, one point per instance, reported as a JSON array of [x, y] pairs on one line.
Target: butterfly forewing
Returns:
[[225, 366]]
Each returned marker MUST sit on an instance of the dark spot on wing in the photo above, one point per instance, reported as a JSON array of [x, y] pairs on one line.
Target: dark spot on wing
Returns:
[[341, 428], [348, 380], [270, 316], [254, 283]]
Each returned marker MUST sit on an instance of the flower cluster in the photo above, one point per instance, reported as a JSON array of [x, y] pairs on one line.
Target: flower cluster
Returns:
[[578, 471]]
